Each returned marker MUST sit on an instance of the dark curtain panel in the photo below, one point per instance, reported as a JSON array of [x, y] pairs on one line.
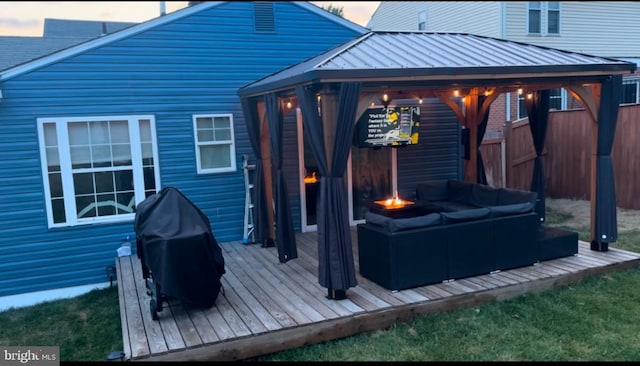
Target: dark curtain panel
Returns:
[[538, 111], [285, 236], [336, 269], [252, 120], [606, 229], [482, 128]]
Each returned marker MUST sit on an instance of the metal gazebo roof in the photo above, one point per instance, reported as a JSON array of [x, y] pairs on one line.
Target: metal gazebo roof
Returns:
[[427, 59]]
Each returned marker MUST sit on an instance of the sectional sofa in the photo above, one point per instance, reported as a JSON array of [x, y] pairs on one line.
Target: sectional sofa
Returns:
[[464, 230]]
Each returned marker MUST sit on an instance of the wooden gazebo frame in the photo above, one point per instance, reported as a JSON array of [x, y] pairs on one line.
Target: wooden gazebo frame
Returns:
[[478, 69]]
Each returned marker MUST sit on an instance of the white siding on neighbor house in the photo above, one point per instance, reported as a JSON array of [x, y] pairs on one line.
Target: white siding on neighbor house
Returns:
[[601, 28], [403, 15], [397, 16], [476, 17]]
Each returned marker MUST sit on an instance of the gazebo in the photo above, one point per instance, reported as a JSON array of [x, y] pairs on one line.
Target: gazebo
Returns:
[[467, 72]]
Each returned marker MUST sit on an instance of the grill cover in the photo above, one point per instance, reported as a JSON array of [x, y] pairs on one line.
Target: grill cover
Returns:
[[176, 244]]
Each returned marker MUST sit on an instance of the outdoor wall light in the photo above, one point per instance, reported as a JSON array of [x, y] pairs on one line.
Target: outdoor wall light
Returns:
[[385, 98], [519, 91], [419, 100], [529, 95], [456, 93], [289, 105]]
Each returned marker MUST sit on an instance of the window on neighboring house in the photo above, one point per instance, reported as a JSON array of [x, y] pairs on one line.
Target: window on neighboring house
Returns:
[[215, 147], [96, 169], [534, 17], [553, 17], [422, 20], [557, 100], [630, 92]]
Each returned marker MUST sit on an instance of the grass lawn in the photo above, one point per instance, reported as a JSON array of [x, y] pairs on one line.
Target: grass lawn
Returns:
[[597, 319]]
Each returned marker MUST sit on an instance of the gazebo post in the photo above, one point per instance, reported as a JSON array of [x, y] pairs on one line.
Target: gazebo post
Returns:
[[471, 117], [602, 105]]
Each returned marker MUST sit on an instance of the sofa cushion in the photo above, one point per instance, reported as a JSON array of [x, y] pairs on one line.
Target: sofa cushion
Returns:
[[508, 196], [450, 206], [377, 219], [415, 222], [433, 190], [513, 209], [466, 215], [459, 191], [483, 195]]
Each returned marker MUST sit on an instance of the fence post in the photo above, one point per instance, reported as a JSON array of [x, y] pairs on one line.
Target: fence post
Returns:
[[507, 132]]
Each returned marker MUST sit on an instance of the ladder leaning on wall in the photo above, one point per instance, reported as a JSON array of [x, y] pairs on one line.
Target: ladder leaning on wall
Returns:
[[248, 234]]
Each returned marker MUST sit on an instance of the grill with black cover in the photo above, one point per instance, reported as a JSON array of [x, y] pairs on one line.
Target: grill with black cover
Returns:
[[179, 255]]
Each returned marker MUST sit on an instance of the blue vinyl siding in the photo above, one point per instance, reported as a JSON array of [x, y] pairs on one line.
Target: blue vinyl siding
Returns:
[[193, 65], [437, 154]]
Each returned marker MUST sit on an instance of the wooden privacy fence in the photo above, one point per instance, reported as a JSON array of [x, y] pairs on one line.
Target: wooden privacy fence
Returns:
[[567, 156]]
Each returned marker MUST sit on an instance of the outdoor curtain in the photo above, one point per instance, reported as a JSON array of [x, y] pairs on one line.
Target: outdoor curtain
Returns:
[[482, 128], [285, 236], [538, 112], [336, 269], [260, 221], [606, 229]]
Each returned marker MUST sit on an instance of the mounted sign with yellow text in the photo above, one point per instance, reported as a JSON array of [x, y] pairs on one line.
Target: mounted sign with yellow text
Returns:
[[390, 126]]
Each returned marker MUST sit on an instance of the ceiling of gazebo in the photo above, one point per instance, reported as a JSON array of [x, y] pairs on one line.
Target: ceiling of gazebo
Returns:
[[420, 64]]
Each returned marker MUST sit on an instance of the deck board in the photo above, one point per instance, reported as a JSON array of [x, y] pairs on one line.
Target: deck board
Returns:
[[266, 306]]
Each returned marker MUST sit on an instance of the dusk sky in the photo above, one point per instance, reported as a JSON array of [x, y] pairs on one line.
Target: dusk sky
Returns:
[[26, 18]]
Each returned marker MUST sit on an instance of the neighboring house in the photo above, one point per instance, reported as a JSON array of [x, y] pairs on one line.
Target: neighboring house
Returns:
[[91, 130], [602, 28], [81, 28], [58, 34]]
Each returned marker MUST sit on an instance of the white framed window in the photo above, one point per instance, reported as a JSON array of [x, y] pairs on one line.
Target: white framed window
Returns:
[[422, 20], [630, 92], [553, 17], [534, 17], [541, 14], [97, 169], [215, 146], [557, 101]]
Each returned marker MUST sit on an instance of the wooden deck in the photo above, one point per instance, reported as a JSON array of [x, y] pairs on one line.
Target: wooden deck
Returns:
[[269, 307]]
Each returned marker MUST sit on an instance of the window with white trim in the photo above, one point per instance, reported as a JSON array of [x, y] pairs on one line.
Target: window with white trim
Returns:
[[422, 20], [557, 101], [630, 92], [534, 17], [541, 13], [96, 169], [215, 146], [553, 17]]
